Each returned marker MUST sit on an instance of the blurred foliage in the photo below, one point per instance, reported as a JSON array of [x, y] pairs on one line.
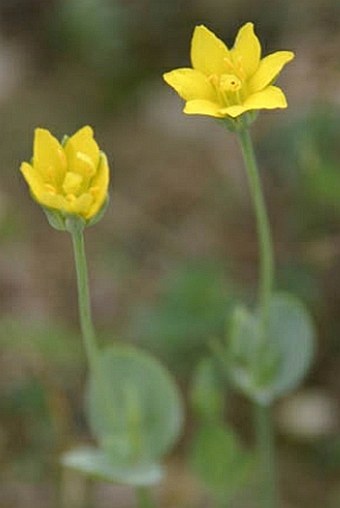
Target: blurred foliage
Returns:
[[309, 169], [214, 441], [106, 37], [327, 453], [193, 304], [52, 344], [97, 31], [298, 277], [217, 444], [32, 436], [208, 389], [41, 369]]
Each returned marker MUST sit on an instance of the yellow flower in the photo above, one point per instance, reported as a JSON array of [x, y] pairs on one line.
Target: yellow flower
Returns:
[[70, 178], [228, 82]]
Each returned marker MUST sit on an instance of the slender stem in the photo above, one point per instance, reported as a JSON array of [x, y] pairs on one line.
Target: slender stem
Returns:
[[265, 446], [84, 296], [263, 425], [144, 499], [263, 228]]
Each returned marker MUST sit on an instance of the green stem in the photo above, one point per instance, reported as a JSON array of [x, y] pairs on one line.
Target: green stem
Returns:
[[263, 425], [263, 228], [144, 499], [86, 323], [265, 446], [77, 232]]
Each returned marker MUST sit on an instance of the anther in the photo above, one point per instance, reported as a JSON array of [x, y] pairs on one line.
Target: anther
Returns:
[[50, 189], [94, 190], [213, 78]]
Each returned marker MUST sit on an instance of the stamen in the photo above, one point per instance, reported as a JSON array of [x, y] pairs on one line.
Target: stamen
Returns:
[[213, 78], [94, 190], [50, 188], [229, 62], [87, 163], [239, 68]]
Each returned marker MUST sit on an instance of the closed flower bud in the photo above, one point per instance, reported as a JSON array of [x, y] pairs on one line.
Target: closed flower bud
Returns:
[[68, 179]]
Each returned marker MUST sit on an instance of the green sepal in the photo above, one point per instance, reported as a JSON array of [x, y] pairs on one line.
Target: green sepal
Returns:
[[95, 463], [267, 366], [59, 220], [241, 122], [55, 218], [134, 407], [64, 222], [74, 224]]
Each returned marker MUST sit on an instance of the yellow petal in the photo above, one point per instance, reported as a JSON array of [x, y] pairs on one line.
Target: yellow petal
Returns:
[[82, 164], [246, 52], [233, 111], [38, 189], [82, 142], [190, 84], [269, 69], [99, 187], [208, 53], [48, 156], [200, 107], [54, 201], [270, 98], [33, 178], [81, 205]]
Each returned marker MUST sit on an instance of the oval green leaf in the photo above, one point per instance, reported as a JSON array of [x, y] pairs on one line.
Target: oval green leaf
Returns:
[[267, 369], [291, 329], [134, 407], [219, 460]]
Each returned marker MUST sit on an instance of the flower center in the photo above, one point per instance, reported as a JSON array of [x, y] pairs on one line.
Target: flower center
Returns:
[[230, 83], [229, 88], [72, 183]]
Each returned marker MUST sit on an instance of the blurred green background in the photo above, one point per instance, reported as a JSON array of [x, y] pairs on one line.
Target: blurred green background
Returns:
[[177, 245]]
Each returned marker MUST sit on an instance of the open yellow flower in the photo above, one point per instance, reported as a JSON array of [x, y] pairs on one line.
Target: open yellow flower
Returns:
[[228, 82], [70, 178]]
